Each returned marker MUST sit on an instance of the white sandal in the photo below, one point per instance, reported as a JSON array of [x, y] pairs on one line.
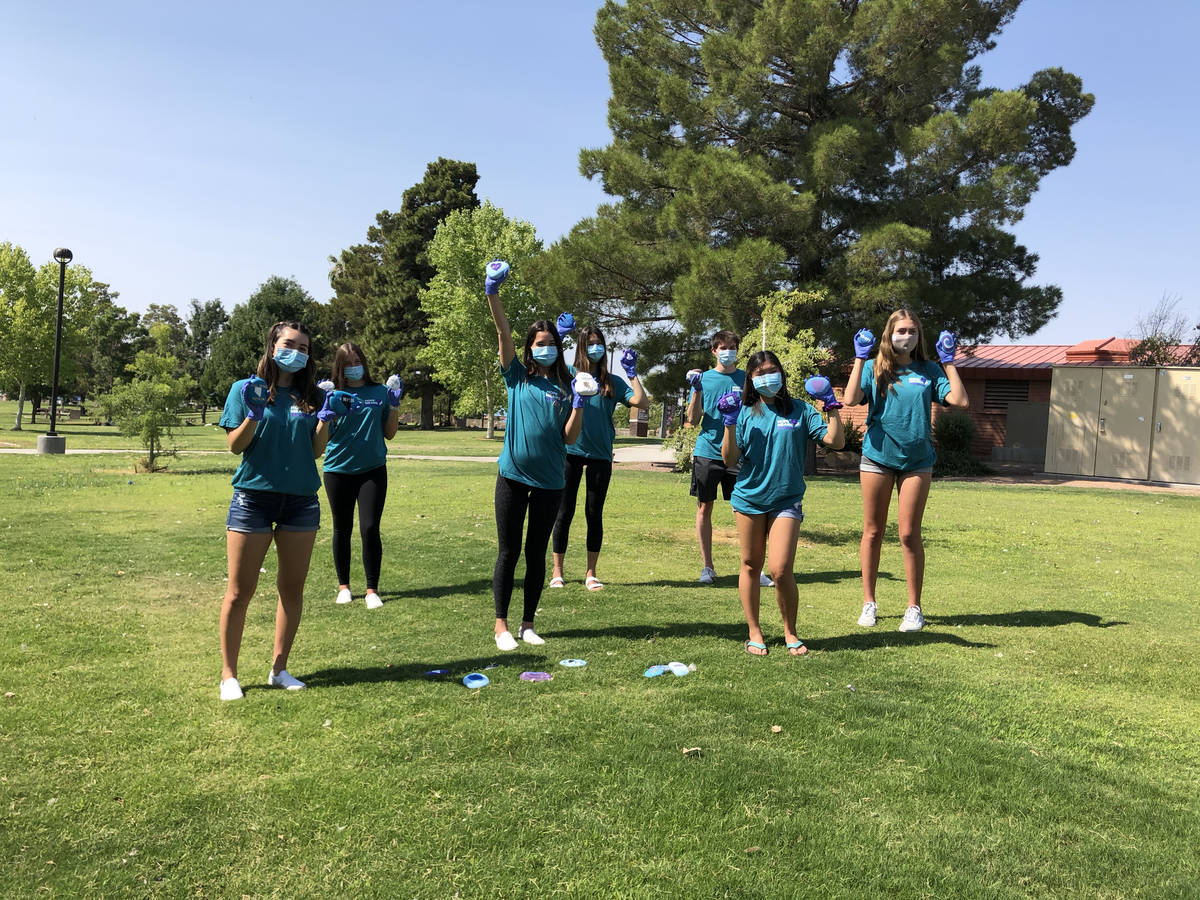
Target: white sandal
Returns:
[[593, 583], [557, 582]]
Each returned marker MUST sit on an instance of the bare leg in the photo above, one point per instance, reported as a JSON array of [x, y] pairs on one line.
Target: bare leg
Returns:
[[876, 496], [752, 537], [558, 566], [704, 510], [294, 549], [782, 538], [914, 491], [245, 554], [593, 557]]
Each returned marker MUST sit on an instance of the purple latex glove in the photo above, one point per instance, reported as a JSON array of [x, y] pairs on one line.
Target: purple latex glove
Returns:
[[495, 272], [577, 399], [729, 406], [693, 378], [565, 325], [254, 395], [864, 340], [629, 363], [947, 343], [395, 390], [819, 388]]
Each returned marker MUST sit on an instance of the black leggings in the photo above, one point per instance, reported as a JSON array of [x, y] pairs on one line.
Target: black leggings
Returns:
[[599, 473], [512, 499], [369, 491]]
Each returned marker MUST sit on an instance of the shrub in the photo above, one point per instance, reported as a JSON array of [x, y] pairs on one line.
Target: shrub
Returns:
[[682, 442], [854, 436], [953, 433]]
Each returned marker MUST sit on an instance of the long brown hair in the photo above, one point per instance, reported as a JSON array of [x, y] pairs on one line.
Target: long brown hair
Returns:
[[304, 382], [558, 371], [886, 375], [598, 369], [340, 357]]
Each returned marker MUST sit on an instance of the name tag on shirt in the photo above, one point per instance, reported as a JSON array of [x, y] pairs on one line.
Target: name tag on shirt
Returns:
[[918, 380], [786, 423]]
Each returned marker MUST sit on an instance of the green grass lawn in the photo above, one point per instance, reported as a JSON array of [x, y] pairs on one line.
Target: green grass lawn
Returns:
[[1040, 738]]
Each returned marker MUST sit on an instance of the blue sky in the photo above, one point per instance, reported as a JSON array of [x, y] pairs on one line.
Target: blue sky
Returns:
[[192, 151]]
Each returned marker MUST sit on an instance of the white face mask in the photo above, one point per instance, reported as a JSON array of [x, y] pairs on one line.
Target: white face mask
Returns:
[[904, 343]]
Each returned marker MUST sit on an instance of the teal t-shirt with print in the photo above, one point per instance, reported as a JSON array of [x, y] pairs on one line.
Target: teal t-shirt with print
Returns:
[[534, 452], [280, 455], [596, 437], [356, 442], [774, 448], [899, 428], [713, 384]]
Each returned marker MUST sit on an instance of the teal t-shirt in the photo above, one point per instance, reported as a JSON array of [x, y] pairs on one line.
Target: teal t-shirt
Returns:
[[712, 427], [774, 448], [356, 441], [280, 455], [899, 431], [596, 438], [534, 452]]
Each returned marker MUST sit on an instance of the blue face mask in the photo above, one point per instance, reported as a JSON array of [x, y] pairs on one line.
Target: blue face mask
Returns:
[[768, 385], [727, 357], [290, 360], [545, 356], [595, 352], [353, 373]]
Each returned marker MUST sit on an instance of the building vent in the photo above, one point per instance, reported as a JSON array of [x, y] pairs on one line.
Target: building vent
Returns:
[[998, 394]]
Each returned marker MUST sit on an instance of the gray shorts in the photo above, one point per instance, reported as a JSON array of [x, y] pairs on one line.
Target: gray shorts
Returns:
[[869, 465]]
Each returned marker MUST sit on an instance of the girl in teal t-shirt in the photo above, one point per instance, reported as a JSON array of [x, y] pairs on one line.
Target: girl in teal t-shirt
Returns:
[[899, 386], [356, 467], [279, 422], [544, 415], [591, 456], [767, 434]]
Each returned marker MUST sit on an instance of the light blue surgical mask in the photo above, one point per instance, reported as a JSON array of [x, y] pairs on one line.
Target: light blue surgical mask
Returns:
[[768, 385], [353, 373], [290, 360], [595, 352], [727, 357], [545, 356]]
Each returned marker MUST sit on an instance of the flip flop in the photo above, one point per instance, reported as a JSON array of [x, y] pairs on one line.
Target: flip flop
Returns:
[[476, 680], [797, 645], [593, 583], [757, 645], [557, 582]]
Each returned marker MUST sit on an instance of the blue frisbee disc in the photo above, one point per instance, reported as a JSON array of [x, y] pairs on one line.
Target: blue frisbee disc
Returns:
[[654, 671], [475, 680], [436, 673], [572, 663]]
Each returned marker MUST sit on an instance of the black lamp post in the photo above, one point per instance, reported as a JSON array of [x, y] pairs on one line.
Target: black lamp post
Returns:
[[52, 441]]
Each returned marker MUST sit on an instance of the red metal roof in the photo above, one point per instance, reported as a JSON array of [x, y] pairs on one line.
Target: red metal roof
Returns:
[[1105, 352]]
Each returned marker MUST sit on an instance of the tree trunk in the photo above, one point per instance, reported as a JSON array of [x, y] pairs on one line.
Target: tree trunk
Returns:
[[490, 412], [20, 408], [427, 406]]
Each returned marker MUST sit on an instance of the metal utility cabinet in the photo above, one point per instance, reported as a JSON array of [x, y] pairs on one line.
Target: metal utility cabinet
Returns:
[[1125, 422]]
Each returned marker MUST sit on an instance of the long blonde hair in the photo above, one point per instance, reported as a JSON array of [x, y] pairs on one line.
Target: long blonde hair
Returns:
[[886, 375]]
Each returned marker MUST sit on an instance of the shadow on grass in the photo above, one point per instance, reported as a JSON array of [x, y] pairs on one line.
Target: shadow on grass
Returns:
[[477, 586], [417, 671], [1026, 618], [874, 640], [802, 578]]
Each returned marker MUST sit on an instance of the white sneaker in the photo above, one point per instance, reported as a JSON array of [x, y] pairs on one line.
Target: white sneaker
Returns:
[[707, 575], [231, 689], [373, 600], [344, 596], [867, 619], [913, 620], [764, 580], [505, 641], [284, 679], [529, 636]]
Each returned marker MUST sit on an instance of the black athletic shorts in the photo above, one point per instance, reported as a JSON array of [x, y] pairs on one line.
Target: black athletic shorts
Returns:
[[707, 474]]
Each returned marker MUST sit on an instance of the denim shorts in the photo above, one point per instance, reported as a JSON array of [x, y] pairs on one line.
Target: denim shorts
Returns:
[[255, 512], [869, 465], [796, 511]]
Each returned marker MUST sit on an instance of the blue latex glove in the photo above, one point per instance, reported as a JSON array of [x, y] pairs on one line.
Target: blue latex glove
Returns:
[[864, 340], [819, 388], [947, 343], [254, 394], [395, 390], [337, 403], [495, 272], [577, 399], [693, 378], [729, 406], [565, 325], [629, 363]]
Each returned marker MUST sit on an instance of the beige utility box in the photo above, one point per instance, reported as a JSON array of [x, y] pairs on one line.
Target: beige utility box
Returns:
[[1125, 422]]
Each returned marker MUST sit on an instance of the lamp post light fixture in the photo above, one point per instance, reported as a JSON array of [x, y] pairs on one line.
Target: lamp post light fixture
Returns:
[[52, 441]]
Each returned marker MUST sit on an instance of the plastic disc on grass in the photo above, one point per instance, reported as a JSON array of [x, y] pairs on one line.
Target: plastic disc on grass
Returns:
[[436, 673], [572, 663], [536, 676], [654, 671], [475, 680], [678, 669]]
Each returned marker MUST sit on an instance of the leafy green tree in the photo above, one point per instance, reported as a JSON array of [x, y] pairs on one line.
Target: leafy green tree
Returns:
[[109, 343], [167, 314], [28, 317], [846, 147], [376, 284], [148, 406], [205, 322], [237, 349], [462, 337]]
